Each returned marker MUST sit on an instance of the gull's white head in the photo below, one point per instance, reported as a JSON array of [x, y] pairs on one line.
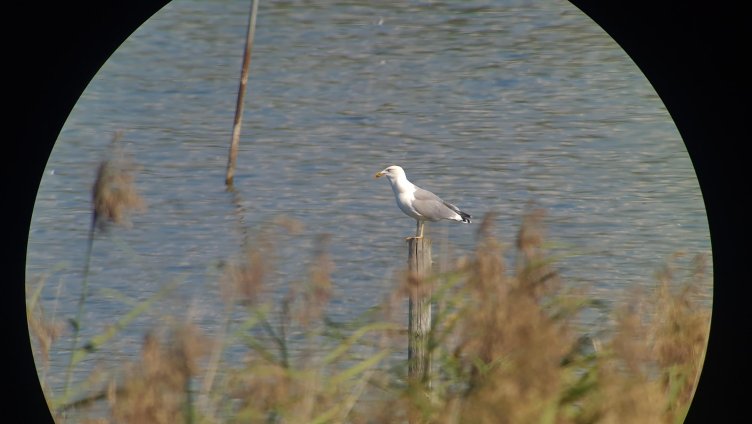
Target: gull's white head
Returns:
[[393, 173]]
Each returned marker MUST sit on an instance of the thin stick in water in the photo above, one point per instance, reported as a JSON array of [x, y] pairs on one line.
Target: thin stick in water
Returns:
[[241, 96]]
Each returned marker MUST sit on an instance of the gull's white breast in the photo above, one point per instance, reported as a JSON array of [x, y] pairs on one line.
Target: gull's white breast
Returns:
[[405, 196]]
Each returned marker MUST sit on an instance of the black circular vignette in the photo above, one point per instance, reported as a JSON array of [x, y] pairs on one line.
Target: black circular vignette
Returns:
[[55, 49], [690, 54]]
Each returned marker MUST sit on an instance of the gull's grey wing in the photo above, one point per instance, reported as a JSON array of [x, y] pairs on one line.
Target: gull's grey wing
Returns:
[[432, 207]]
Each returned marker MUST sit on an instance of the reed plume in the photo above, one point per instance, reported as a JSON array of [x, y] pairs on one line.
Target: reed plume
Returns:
[[113, 197]]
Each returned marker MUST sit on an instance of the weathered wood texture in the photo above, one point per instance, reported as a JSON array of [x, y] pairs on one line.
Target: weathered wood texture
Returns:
[[419, 326], [238, 121]]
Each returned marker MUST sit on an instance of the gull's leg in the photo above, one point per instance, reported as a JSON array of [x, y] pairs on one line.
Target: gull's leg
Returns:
[[418, 230]]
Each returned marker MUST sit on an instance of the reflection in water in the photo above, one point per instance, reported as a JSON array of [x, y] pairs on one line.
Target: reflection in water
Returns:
[[240, 213]]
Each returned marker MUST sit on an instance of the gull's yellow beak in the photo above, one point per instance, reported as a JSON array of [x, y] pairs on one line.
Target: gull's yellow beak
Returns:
[[379, 174]]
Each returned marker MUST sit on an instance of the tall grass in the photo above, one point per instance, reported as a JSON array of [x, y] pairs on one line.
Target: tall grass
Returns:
[[113, 197], [506, 344]]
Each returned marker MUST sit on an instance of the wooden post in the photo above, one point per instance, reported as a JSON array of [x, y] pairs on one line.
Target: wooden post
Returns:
[[235, 141], [419, 315]]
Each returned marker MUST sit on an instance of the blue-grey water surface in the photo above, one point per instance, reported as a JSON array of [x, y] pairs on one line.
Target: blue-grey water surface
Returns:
[[489, 104]]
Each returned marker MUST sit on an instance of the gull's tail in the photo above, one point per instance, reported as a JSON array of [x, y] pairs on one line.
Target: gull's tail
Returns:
[[465, 217]]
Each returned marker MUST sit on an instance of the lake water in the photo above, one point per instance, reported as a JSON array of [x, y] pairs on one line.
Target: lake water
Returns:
[[489, 104]]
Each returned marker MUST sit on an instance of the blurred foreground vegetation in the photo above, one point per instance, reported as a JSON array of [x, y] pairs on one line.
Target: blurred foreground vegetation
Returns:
[[506, 345]]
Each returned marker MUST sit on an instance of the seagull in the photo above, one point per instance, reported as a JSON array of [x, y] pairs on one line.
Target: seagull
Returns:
[[418, 203]]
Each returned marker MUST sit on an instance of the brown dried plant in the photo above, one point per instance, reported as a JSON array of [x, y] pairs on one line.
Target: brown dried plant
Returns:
[[510, 346], [650, 367], [680, 331], [114, 193], [157, 389], [243, 280], [45, 330], [505, 350], [317, 292], [113, 197], [509, 353]]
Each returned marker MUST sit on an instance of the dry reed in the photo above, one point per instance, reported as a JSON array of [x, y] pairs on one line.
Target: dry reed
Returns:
[[113, 197], [505, 346]]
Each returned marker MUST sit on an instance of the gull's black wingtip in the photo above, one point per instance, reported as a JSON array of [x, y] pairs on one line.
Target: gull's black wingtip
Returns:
[[465, 217]]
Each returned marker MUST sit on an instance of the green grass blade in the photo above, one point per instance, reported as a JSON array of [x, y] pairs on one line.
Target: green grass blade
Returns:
[[97, 341]]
